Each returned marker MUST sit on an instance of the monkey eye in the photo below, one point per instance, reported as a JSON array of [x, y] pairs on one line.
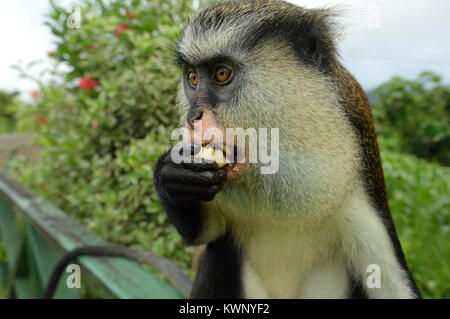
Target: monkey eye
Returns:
[[223, 75], [193, 78]]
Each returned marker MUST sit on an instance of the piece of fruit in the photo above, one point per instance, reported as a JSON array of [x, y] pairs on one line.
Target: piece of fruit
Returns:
[[209, 153]]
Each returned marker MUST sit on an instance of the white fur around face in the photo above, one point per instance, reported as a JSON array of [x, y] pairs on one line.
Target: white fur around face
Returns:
[[319, 158]]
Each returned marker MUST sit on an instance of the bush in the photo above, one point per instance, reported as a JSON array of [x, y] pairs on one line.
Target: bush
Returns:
[[105, 120], [8, 108], [418, 196], [416, 114]]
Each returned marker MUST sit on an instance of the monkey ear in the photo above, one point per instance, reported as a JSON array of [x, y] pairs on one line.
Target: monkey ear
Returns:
[[316, 39], [314, 54]]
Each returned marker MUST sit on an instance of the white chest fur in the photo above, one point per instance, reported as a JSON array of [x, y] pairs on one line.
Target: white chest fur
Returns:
[[315, 257], [294, 261]]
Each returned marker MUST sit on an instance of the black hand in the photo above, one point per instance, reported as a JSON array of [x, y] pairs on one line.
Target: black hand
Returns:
[[182, 187], [187, 183]]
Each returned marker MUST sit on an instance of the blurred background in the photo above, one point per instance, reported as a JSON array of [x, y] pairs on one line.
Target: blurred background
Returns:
[[87, 90]]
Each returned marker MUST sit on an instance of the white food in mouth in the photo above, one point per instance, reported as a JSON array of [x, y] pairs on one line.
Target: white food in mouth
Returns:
[[209, 153]]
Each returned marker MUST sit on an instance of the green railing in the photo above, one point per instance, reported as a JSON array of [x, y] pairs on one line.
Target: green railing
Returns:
[[34, 235]]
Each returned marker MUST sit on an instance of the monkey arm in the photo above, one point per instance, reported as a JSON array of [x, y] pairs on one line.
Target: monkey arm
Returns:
[[183, 188], [369, 250]]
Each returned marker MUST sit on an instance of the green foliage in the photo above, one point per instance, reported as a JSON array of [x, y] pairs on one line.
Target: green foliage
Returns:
[[418, 196], [414, 117], [105, 121], [8, 108], [3, 257], [416, 114]]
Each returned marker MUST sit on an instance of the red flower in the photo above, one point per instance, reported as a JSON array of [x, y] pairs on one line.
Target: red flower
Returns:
[[88, 83], [35, 94], [42, 120], [91, 46], [120, 28], [129, 15], [94, 125], [52, 53]]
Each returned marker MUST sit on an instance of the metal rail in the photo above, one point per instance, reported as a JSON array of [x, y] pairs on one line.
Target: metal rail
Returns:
[[34, 235]]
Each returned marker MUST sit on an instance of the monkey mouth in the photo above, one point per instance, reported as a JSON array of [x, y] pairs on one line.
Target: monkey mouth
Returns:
[[234, 167], [235, 171]]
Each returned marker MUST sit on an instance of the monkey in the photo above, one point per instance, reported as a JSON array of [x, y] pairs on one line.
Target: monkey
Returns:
[[316, 227]]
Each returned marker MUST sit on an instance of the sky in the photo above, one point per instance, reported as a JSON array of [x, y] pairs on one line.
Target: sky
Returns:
[[379, 38]]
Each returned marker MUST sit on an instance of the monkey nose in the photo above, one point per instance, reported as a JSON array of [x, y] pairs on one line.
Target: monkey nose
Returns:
[[198, 137], [203, 127], [197, 116]]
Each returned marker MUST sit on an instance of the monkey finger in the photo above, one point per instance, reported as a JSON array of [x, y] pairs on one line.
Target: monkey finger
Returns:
[[205, 197], [205, 165], [184, 199], [193, 192], [177, 156], [185, 176], [184, 150]]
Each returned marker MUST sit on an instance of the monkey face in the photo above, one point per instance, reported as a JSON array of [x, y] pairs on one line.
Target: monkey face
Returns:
[[207, 90], [245, 74]]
